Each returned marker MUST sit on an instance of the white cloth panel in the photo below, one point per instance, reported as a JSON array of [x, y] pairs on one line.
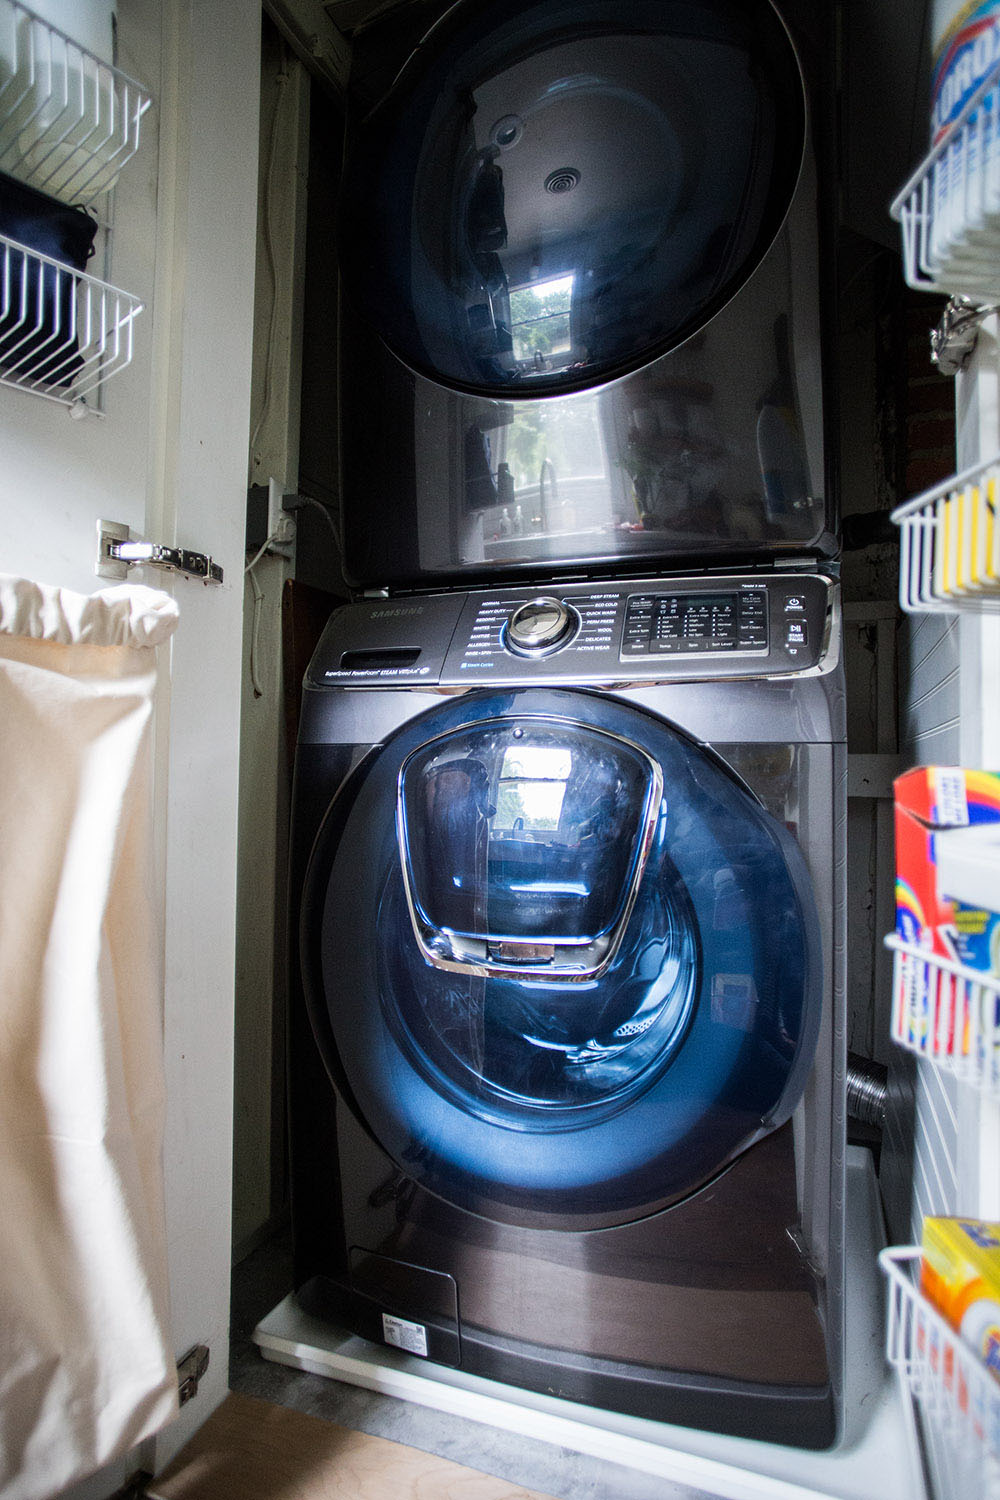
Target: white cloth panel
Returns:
[[86, 1364]]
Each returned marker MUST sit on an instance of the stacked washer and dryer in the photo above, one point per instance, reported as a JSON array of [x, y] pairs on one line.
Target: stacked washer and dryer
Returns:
[[566, 1047]]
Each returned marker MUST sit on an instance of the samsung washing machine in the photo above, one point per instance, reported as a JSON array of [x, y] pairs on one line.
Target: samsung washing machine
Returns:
[[567, 1068], [566, 1045]]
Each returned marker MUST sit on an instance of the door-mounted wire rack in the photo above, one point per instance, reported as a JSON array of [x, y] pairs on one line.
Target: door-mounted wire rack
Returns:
[[62, 333], [949, 555], [68, 120], [947, 1014], [949, 210], [956, 1393]]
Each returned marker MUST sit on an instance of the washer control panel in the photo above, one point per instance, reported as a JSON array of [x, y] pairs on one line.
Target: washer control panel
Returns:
[[676, 629], [685, 627]]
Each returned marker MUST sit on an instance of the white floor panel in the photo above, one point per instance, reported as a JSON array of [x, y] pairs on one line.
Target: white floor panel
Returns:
[[877, 1458]]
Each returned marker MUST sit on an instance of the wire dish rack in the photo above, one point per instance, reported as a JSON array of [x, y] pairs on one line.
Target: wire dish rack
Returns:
[[68, 120], [62, 333], [956, 1393], [949, 556], [949, 210], [947, 1013]]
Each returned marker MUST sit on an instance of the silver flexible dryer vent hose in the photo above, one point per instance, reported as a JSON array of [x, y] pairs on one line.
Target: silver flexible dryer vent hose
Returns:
[[866, 1090]]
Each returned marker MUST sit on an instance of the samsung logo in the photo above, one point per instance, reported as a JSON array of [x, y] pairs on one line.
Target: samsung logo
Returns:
[[389, 614]]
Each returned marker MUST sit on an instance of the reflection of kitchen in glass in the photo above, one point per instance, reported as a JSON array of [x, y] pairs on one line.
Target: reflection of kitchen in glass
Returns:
[[597, 472], [552, 475], [666, 453]]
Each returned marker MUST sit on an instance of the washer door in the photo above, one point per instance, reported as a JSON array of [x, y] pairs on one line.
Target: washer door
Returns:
[[561, 964], [555, 193]]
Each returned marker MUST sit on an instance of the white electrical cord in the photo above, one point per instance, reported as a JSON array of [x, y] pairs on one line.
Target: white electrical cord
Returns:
[[258, 595], [271, 540], [281, 79], [258, 600], [327, 515]]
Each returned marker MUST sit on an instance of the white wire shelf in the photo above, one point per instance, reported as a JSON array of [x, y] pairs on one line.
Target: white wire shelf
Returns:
[[949, 557], [949, 210], [63, 334], [69, 121], [946, 1013], [957, 1394]]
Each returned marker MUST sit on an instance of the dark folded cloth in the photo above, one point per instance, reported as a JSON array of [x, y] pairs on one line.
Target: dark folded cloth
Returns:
[[38, 334]]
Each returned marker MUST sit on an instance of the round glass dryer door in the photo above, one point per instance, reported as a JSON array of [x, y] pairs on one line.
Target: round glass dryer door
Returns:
[[554, 194], [562, 965]]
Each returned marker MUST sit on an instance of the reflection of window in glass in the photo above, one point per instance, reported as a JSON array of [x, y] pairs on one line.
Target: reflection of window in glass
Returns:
[[567, 434], [539, 319], [532, 787]]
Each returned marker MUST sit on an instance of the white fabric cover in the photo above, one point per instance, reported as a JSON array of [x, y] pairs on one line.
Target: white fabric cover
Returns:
[[86, 1364]]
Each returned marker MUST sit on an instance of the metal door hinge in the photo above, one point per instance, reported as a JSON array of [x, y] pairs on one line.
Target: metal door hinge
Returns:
[[954, 340], [190, 1370], [117, 552]]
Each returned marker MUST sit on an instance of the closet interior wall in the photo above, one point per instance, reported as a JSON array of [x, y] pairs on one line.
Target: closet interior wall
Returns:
[[293, 450]]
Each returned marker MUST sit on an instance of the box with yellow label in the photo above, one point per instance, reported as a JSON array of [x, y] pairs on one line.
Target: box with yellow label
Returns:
[[960, 1276]]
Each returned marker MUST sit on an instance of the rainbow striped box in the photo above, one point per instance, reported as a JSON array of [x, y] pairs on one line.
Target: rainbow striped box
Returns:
[[929, 800]]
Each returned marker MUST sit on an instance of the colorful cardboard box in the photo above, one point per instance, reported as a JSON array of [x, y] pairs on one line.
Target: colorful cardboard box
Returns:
[[968, 861], [960, 1276], [930, 800]]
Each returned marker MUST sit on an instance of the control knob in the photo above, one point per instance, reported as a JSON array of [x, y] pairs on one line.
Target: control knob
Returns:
[[541, 626]]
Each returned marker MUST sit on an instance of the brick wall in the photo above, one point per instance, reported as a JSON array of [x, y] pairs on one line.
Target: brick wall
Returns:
[[927, 406]]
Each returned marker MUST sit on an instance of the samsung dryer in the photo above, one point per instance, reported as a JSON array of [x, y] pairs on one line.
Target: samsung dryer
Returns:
[[566, 1054], [582, 291]]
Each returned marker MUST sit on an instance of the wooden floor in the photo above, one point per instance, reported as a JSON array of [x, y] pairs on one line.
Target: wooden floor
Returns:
[[253, 1450]]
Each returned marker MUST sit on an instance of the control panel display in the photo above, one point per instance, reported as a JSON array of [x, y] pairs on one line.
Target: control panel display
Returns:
[[631, 632], [689, 624]]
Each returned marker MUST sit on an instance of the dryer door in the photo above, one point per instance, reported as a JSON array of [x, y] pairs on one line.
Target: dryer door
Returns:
[[560, 962], [555, 193]]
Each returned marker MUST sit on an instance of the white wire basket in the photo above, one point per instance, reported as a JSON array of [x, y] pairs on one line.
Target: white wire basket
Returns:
[[956, 1393], [946, 1013], [63, 334], [949, 210], [949, 558], [68, 120]]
